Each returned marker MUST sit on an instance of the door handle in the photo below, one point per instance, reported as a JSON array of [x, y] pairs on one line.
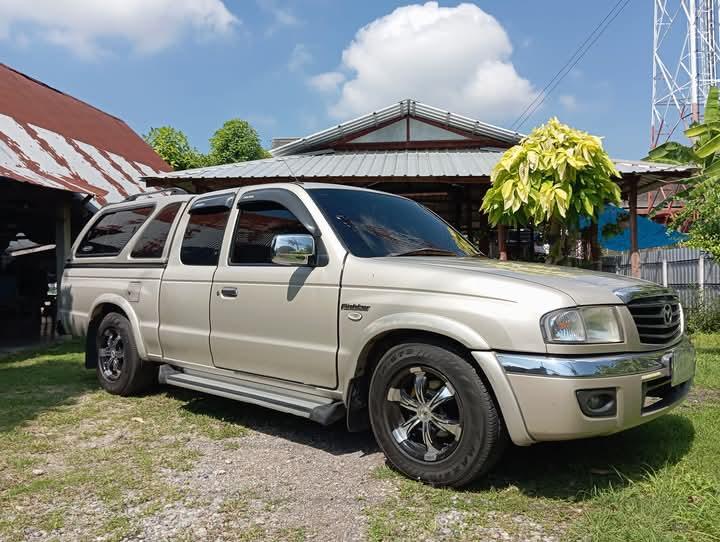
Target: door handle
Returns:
[[228, 291]]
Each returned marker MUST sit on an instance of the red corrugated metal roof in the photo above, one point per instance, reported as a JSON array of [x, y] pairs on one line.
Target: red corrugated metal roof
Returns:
[[51, 139]]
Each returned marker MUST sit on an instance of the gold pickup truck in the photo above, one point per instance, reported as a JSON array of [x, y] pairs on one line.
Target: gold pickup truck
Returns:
[[337, 303]]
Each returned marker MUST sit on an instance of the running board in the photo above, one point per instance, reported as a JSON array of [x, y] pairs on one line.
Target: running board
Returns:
[[319, 409]]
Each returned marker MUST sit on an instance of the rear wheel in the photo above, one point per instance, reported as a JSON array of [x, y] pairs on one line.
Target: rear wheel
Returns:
[[433, 416], [119, 369]]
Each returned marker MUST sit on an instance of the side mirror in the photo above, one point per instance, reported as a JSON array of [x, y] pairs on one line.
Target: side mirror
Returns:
[[293, 249]]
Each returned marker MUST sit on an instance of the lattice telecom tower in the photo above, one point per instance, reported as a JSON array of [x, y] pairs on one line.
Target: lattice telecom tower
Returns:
[[685, 64]]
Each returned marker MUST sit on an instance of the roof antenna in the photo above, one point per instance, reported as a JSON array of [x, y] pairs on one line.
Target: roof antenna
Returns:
[[295, 179]]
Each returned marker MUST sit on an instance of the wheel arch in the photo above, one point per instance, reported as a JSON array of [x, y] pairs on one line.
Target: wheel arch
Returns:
[[357, 390], [103, 306]]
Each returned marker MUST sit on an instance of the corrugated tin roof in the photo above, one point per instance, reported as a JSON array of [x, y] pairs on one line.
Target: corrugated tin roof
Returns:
[[51, 139], [641, 166], [379, 164], [393, 112]]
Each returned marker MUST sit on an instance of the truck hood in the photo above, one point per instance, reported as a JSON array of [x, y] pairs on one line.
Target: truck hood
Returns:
[[583, 286]]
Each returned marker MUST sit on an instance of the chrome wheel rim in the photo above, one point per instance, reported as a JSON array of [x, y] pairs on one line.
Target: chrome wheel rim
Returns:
[[424, 414], [111, 354]]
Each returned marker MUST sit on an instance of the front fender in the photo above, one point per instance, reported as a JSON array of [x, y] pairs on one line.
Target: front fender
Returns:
[[432, 323], [354, 345]]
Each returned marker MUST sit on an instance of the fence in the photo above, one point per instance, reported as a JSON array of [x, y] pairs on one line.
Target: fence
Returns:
[[687, 270]]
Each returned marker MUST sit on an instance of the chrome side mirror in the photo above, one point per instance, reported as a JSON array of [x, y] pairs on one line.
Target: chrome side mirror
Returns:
[[293, 249]]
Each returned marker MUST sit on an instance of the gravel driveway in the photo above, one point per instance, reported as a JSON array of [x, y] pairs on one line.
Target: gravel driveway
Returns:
[[288, 477]]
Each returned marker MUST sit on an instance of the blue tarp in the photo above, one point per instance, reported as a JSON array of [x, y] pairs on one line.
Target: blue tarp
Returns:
[[650, 234]]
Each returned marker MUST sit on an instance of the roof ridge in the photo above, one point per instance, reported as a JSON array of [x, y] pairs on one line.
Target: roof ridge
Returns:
[[407, 107]]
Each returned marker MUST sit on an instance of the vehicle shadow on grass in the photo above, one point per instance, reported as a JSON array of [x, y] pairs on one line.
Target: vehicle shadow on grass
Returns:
[[334, 439], [559, 470], [575, 470], [33, 382]]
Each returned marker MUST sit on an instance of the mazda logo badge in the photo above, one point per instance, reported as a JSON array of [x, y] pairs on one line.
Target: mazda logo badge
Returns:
[[667, 314]]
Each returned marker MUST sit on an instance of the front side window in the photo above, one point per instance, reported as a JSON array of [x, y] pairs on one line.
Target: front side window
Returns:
[[203, 238], [258, 222], [151, 242], [372, 224], [109, 235]]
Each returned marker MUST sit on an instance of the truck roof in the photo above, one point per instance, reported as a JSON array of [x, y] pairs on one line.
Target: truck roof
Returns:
[[177, 194]]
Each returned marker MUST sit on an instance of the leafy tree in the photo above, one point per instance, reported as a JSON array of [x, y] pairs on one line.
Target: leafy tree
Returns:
[[235, 141], [551, 179], [172, 145], [701, 196]]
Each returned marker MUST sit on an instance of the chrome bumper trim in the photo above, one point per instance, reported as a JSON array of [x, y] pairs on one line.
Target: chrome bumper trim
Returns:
[[596, 366]]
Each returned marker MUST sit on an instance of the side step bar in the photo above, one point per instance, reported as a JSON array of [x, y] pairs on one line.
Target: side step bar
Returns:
[[319, 409]]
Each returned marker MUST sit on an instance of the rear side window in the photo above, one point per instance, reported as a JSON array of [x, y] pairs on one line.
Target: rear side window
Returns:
[[152, 240], [109, 235], [203, 238]]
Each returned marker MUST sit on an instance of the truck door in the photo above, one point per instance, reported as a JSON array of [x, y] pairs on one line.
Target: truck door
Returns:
[[184, 328], [270, 319]]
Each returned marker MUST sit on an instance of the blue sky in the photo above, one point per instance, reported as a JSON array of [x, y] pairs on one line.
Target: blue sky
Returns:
[[193, 64]]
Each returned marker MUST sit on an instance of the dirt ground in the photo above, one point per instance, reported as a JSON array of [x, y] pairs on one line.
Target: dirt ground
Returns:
[[287, 476]]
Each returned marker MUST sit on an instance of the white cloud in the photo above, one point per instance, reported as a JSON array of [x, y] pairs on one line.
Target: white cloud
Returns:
[[86, 27], [282, 16], [452, 57], [300, 57], [569, 102], [326, 82]]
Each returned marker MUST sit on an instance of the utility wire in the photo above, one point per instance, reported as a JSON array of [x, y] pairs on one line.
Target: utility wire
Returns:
[[541, 94], [576, 57]]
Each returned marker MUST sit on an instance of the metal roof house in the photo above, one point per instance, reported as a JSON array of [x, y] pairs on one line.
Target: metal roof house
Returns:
[[442, 159], [60, 159]]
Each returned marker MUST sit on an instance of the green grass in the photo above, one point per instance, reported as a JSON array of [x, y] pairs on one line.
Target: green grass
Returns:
[[97, 458], [100, 459], [658, 482], [708, 349]]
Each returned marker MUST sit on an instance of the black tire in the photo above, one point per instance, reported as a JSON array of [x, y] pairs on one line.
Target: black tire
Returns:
[[120, 370], [456, 455]]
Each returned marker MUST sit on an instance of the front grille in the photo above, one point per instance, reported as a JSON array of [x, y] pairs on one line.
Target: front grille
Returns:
[[655, 322]]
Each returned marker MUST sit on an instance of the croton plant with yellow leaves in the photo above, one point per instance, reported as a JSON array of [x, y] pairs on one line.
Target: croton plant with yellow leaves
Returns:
[[551, 179]]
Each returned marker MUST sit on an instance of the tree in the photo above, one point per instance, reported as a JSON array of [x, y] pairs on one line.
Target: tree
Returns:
[[551, 179], [172, 145], [701, 196], [235, 141]]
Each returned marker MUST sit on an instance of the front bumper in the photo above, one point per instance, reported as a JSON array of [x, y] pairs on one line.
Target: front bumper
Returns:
[[646, 385]]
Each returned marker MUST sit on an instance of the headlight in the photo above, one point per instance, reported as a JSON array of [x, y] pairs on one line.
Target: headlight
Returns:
[[582, 325]]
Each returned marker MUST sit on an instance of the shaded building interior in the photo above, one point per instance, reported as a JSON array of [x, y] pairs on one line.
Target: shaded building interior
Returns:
[[60, 160]]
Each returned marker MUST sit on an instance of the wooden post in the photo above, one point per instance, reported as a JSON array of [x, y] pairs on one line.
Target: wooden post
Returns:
[[634, 253], [502, 245], [595, 255], [63, 238], [467, 194]]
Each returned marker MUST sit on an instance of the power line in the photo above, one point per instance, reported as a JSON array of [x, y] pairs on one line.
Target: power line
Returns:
[[562, 69], [580, 52]]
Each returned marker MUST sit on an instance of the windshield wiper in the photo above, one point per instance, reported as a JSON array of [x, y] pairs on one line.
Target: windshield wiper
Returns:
[[425, 251]]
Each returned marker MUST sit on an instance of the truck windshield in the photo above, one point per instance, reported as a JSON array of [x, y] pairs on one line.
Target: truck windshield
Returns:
[[372, 224]]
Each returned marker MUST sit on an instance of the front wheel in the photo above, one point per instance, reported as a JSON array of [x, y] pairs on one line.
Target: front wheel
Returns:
[[433, 416], [119, 368]]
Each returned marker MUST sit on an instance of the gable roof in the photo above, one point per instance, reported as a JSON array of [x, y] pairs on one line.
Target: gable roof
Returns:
[[383, 117], [52, 139]]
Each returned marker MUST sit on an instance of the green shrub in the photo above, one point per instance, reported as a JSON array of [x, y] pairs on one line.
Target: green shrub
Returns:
[[703, 316]]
